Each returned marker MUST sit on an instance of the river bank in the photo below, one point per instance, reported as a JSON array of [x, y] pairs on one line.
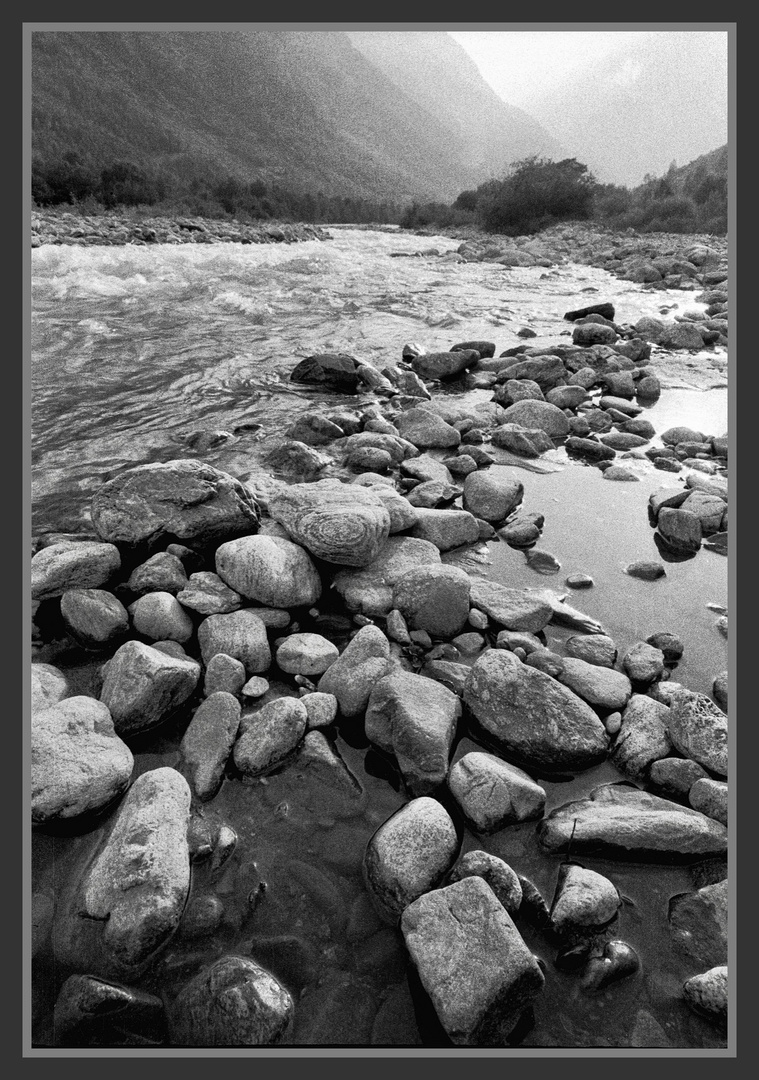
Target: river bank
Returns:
[[301, 678]]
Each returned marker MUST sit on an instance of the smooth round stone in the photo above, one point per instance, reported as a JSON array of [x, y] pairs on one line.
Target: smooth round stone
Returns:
[[72, 564], [613, 723], [433, 598], [676, 776], [478, 619], [593, 648], [255, 687], [719, 689], [707, 993], [585, 901], [519, 639], [710, 797], [272, 571], [306, 654], [643, 663], [160, 617], [579, 581], [619, 472], [241, 634], [469, 644], [369, 459]]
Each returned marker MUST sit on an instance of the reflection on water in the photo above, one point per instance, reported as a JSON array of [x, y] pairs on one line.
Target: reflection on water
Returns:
[[134, 350]]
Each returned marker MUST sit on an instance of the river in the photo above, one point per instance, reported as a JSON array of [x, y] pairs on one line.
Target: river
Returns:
[[135, 350]]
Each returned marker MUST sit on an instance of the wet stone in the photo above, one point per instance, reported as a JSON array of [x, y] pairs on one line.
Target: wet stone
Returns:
[[499, 876]]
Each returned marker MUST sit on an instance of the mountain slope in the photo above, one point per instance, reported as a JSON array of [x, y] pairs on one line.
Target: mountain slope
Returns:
[[304, 108], [433, 67], [634, 115]]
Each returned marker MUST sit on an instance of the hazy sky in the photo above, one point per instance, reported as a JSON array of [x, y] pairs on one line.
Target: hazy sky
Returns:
[[522, 65]]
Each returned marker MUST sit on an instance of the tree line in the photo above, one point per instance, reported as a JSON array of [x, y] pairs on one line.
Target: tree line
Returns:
[[536, 193]]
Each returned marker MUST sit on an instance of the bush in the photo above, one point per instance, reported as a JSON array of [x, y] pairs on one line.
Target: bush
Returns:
[[537, 193]]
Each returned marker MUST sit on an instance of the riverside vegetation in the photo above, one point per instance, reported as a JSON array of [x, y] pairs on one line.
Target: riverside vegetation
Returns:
[[260, 629]]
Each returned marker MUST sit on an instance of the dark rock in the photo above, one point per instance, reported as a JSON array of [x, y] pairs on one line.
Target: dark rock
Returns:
[[337, 371]]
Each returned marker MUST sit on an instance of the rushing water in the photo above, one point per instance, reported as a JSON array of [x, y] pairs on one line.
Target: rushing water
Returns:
[[137, 349]]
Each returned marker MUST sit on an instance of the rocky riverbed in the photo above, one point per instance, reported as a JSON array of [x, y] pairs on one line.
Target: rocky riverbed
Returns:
[[300, 740]]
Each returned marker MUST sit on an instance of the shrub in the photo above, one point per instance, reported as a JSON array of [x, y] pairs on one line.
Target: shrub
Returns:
[[537, 193]]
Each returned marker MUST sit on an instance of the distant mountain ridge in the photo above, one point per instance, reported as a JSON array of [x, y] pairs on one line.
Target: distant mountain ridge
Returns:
[[648, 104], [307, 109]]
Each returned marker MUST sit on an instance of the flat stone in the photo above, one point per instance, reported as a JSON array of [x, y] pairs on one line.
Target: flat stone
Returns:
[[698, 924], [514, 609], [616, 821], [675, 776], [446, 529], [592, 648], [596, 684], [207, 594]]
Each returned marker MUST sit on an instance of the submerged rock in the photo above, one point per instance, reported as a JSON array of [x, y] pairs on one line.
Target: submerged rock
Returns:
[[472, 961], [514, 609], [270, 735], [234, 1002], [208, 741], [698, 924]]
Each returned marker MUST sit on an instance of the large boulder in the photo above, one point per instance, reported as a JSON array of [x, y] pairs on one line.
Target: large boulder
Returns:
[[269, 570], [680, 529], [233, 1002], [72, 564], [144, 686], [514, 609], [492, 793], [472, 961], [340, 523], [240, 634], [491, 495], [698, 730], [414, 719], [408, 855], [184, 500], [133, 893], [538, 414], [369, 589], [365, 659], [433, 598], [79, 764], [531, 716], [617, 821], [335, 371]]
